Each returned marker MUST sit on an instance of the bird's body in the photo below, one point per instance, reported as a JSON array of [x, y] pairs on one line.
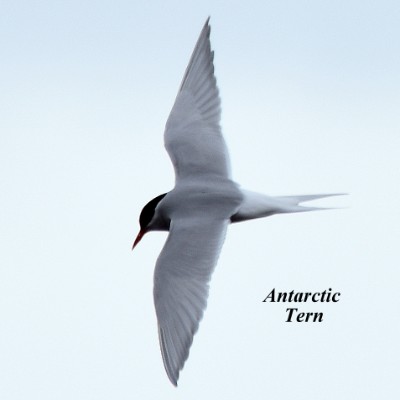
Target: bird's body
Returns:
[[214, 196], [198, 210]]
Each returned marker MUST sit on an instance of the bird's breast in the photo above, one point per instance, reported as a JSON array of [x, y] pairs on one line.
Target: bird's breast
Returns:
[[219, 198]]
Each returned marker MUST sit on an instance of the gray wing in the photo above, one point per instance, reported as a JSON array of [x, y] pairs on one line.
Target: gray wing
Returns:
[[192, 135], [181, 283]]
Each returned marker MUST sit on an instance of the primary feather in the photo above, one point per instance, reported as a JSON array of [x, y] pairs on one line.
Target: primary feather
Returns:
[[192, 135], [181, 286]]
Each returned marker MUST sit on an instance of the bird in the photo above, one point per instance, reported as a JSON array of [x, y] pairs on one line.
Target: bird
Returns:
[[198, 210]]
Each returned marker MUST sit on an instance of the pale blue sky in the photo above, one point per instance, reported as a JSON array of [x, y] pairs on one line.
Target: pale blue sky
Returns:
[[310, 94]]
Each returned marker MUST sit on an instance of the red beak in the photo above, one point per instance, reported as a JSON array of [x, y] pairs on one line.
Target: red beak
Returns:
[[138, 238]]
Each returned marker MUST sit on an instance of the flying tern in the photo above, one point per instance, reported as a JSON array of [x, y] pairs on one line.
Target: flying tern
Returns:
[[198, 210]]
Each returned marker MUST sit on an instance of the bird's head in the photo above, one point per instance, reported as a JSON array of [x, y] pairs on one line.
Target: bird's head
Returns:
[[148, 220]]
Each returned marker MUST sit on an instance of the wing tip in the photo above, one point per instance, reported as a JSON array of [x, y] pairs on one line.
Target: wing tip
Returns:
[[203, 38], [172, 372]]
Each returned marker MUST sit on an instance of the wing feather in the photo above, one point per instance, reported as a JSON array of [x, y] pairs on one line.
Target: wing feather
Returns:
[[193, 136], [181, 284]]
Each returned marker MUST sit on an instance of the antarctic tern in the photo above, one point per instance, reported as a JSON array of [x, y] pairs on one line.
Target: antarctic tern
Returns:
[[198, 210]]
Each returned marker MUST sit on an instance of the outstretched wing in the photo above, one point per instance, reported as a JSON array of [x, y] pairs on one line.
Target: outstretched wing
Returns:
[[192, 135], [181, 282]]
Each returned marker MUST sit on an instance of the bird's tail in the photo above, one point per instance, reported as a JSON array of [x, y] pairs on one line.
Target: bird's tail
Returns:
[[257, 205], [291, 204]]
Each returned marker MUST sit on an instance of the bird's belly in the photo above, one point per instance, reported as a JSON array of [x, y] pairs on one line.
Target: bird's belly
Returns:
[[220, 199]]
